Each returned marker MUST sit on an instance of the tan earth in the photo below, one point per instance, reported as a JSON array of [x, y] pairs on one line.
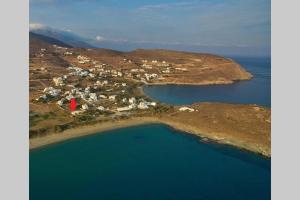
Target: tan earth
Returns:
[[244, 126]]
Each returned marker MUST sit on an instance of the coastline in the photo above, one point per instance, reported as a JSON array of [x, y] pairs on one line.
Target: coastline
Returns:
[[203, 83], [188, 83], [38, 142], [201, 131], [85, 130]]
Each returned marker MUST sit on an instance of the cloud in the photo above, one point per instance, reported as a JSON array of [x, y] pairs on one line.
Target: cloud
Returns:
[[202, 44], [180, 22], [47, 2], [36, 26], [99, 38], [41, 1], [167, 5]]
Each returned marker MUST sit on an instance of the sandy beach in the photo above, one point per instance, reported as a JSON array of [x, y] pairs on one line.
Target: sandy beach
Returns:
[[52, 138], [192, 83]]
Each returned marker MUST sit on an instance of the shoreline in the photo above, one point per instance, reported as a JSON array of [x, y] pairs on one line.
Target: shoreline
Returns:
[[203, 83], [85, 130], [52, 138], [196, 84]]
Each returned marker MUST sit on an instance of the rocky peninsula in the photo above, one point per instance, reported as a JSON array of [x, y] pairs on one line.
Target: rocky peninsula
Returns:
[[106, 85]]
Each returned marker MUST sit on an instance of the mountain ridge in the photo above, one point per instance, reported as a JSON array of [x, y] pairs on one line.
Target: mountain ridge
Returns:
[[64, 36]]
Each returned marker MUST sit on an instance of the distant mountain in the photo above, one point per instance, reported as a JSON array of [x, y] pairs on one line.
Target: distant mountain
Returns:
[[66, 37], [50, 40], [74, 40], [227, 51]]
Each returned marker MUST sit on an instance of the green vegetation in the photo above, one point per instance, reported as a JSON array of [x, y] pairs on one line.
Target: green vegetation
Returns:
[[34, 117], [162, 108], [62, 127]]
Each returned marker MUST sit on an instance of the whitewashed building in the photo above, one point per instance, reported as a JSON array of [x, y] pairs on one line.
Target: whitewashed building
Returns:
[[184, 108], [84, 107]]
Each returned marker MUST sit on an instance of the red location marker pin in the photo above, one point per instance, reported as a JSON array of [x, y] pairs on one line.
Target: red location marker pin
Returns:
[[72, 104]]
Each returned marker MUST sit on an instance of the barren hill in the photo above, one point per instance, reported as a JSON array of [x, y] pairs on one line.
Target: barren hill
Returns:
[[174, 67], [106, 84]]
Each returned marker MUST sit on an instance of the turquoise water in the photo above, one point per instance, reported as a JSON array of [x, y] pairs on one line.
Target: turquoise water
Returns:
[[147, 162], [255, 91]]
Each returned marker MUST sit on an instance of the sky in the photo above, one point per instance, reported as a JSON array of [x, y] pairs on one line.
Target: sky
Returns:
[[233, 24]]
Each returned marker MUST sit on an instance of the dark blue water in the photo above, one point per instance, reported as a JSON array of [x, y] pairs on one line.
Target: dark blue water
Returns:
[[147, 162], [254, 91]]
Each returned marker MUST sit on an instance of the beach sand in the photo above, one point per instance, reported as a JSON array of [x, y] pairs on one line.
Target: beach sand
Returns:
[[227, 137], [51, 138]]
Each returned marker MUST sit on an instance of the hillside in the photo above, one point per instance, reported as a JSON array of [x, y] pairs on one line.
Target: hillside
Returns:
[[107, 87], [175, 67], [37, 40], [162, 66], [66, 37]]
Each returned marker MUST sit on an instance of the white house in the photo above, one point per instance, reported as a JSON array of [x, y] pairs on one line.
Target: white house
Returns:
[[126, 108], [92, 75], [112, 97], [84, 73], [68, 53], [181, 69], [82, 59], [101, 96], [60, 102], [134, 70], [150, 76], [184, 108], [58, 81], [143, 105], [52, 91], [77, 112], [132, 100], [44, 97], [105, 82], [84, 107], [69, 97], [93, 97], [151, 103], [101, 108]]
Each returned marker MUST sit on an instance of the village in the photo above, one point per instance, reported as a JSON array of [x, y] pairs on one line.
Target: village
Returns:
[[101, 89], [107, 88]]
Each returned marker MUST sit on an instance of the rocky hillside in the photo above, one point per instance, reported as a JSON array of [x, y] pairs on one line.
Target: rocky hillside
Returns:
[[173, 67]]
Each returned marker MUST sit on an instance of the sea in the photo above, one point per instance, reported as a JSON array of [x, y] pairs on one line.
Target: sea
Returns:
[[147, 162], [156, 162], [254, 91]]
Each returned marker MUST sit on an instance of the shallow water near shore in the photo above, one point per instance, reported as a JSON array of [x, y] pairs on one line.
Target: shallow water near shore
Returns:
[[147, 162], [254, 91]]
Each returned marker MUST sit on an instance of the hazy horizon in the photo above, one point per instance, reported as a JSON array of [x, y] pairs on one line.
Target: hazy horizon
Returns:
[[212, 26]]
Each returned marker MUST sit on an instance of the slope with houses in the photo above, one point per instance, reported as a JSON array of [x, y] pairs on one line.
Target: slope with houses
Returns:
[[107, 87]]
